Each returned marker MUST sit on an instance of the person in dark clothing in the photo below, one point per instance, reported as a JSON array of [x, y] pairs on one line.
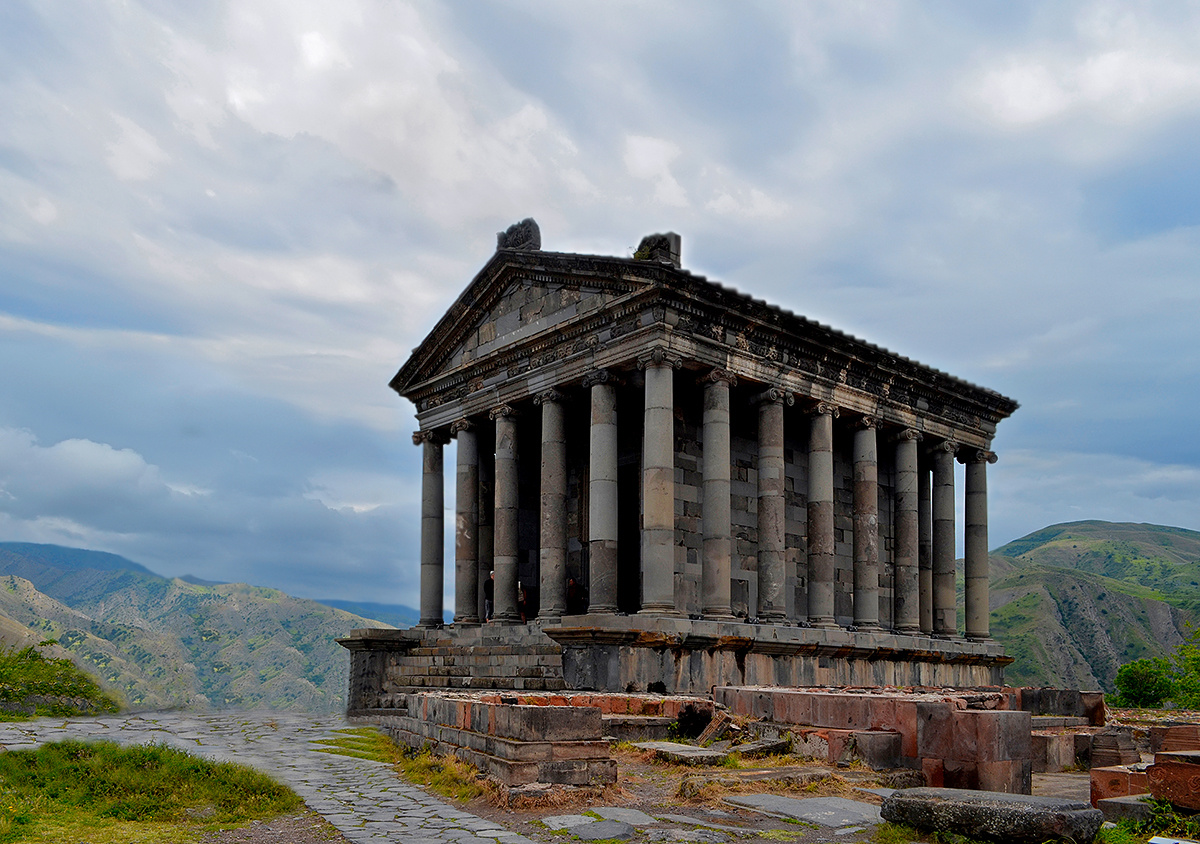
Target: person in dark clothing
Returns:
[[489, 596], [577, 598]]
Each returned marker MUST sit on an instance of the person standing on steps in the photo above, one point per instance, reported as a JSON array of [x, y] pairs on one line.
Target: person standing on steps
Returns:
[[489, 596]]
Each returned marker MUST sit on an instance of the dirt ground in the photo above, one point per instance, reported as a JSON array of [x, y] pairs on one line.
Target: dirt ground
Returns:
[[302, 828]]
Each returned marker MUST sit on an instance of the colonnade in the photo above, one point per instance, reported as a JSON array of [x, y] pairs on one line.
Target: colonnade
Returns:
[[923, 600]]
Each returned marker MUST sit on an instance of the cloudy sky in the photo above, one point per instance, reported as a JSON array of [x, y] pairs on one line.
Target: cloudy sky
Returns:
[[224, 225]]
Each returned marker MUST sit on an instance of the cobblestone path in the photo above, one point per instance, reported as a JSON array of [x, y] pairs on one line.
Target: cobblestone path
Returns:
[[363, 799]]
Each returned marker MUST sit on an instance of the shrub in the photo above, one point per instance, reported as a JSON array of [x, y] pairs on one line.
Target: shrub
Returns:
[[1144, 682]]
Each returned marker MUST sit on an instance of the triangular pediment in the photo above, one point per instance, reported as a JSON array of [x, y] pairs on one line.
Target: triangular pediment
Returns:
[[515, 296]]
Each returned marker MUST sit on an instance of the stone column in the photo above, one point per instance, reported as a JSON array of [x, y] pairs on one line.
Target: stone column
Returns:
[[945, 614], [485, 442], [820, 516], [602, 493], [925, 545], [505, 522], [466, 525], [552, 559], [975, 545], [432, 537], [772, 513], [717, 507], [866, 525], [906, 582], [658, 484]]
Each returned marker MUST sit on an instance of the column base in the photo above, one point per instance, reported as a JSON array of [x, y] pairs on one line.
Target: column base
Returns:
[[719, 615], [466, 622], [551, 616], [909, 631], [432, 625], [600, 610], [774, 618], [983, 640], [507, 619], [867, 628], [659, 609], [824, 623]]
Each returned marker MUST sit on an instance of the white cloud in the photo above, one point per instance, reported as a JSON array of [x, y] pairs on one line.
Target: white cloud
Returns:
[[135, 154], [650, 159]]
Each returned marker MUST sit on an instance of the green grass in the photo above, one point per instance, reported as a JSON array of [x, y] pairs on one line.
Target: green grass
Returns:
[[25, 673], [361, 743], [64, 791], [444, 775]]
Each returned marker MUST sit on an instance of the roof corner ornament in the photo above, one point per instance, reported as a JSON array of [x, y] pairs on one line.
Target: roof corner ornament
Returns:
[[660, 247], [524, 235]]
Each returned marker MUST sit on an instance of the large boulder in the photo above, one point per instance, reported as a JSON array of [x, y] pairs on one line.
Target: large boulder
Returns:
[[994, 816]]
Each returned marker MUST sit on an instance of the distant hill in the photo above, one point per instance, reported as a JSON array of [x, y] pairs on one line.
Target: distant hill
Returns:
[[162, 642], [1073, 602], [397, 615]]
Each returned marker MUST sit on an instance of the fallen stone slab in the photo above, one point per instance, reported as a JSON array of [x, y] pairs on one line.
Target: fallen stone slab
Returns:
[[761, 747], [619, 813], [994, 816], [706, 824], [1132, 807], [604, 830], [683, 754], [567, 821], [826, 811]]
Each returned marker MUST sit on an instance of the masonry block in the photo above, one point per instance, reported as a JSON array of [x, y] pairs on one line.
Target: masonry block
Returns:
[[1052, 752], [1175, 776], [1117, 781]]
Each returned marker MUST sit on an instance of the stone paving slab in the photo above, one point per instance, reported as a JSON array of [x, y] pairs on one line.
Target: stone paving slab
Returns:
[[685, 754], [826, 811], [603, 830], [630, 816]]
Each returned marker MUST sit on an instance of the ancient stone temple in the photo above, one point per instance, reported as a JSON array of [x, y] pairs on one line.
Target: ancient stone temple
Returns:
[[667, 485]]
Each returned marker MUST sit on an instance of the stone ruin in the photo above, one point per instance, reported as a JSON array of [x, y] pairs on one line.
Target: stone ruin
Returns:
[[666, 486]]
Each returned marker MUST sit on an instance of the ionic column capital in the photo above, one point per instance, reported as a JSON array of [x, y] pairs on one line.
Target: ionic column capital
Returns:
[[501, 410], [977, 455], [824, 408], [600, 376], [463, 424], [659, 356], [908, 435], [946, 446], [717, 375], [431, 437], [777, 395], [867, 422], [552, 395]]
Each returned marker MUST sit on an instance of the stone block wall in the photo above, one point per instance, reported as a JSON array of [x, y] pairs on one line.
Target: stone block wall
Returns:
[[955, 747], [515, 743]]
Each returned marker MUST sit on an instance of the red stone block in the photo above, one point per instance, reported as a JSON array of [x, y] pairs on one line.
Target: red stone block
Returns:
[[793, 708], [964, 735], [906, 725], [960, 773], [1177, 737], [881, 712], [934, 730], [1175, 776], [1002, 735], [1011, 776], [934, 772], [1117, 781]]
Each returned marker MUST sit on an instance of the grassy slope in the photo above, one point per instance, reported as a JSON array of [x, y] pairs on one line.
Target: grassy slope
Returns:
[[1074, 602], [167, 642]]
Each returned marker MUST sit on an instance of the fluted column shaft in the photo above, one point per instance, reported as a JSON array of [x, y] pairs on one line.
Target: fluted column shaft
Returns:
[[432, 536], [866, 526], [820, 517], [505, 540], [906, 579], [466, 525], [771, 506], [487, 510], [717, 509], [658, 486], [553, 551], [925, 545], [975, 544], [945, 614], [602, 494]]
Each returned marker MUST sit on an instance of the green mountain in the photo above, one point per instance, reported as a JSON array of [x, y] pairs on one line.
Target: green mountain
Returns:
[[160, 642], [1073, 602]]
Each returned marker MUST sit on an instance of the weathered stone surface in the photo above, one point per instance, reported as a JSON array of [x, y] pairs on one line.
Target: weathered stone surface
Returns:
[[602, 830], [684, 754], [827, 811], [1117, 781], [1175, 776], [1015, 818], [1132, 807], [619, 813]]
